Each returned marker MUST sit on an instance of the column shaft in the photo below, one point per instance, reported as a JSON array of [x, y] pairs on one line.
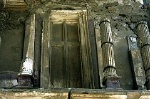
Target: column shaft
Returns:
[[144, 38], [111, 80]]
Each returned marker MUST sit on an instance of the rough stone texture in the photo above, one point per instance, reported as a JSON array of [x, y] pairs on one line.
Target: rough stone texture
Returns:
[[73, 94], [11, 33], [33, 95], [123, 15], [99, 94]]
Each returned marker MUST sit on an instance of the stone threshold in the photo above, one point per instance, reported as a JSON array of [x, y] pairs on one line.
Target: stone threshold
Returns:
[[73, 93]]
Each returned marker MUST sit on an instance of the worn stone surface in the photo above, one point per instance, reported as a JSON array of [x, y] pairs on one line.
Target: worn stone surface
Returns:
[[73, 94], [12, 33], [123, 14], [108, 94], [33, 95]]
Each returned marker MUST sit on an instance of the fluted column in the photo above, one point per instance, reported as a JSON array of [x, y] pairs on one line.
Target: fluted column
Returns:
[[144, 38], [111, 79]]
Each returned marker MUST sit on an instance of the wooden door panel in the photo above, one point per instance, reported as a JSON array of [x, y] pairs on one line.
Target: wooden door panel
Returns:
[[74, 66], [72, 32], [57, 32], [57, 72], [65, 61]]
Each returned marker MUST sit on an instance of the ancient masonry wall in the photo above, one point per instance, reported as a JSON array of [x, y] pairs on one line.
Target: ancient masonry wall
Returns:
[[124, 15]]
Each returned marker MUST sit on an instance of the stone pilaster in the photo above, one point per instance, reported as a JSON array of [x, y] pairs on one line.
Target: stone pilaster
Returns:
[[26, 73]]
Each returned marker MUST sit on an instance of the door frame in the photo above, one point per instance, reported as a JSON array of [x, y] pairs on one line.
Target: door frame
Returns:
[[81, 16]]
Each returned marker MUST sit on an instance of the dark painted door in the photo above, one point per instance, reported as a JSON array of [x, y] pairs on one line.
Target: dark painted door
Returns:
[[65, 58]]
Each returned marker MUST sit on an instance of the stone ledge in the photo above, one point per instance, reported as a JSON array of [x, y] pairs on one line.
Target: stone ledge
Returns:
[[32, 94], [73, 94]]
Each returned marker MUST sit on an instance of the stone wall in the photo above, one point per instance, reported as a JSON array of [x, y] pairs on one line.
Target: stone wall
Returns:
[[123, 15]]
